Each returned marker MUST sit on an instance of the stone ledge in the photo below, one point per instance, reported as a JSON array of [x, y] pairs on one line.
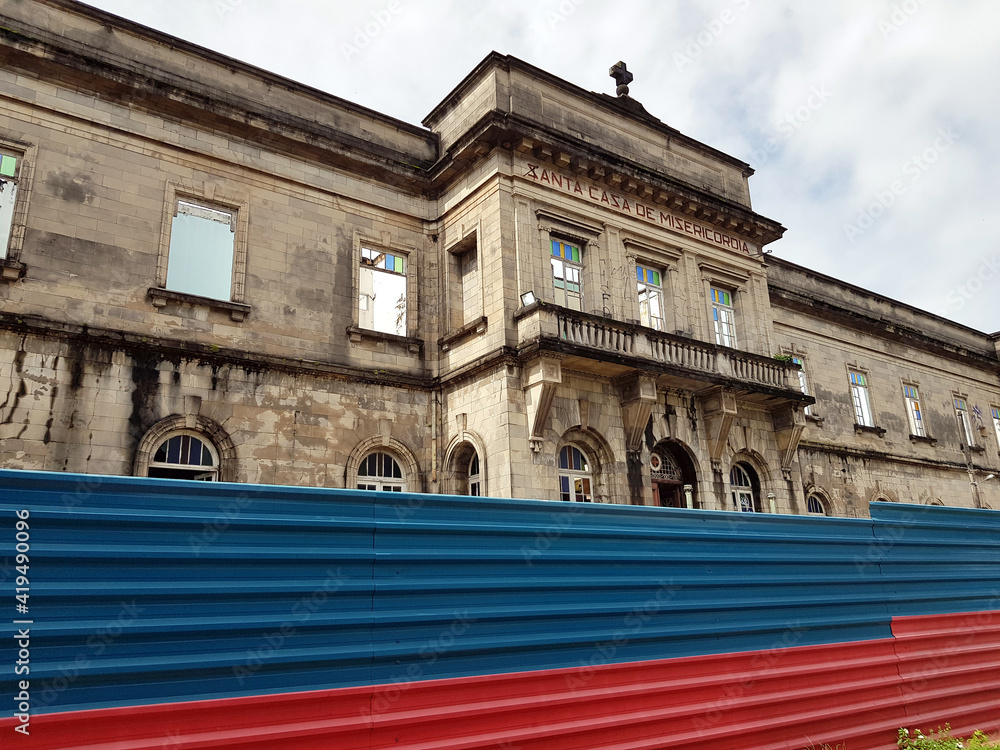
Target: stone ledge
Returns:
[[468, 331], [356, 334], [159, 297], [12, 270], [923, 439], [871, 430]]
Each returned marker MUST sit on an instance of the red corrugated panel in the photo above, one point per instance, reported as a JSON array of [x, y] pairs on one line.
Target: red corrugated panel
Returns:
[[950, 667], [788, 698], [330, 719]]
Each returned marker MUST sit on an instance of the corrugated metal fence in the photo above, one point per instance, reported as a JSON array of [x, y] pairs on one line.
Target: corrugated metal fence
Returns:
[[340, 619]]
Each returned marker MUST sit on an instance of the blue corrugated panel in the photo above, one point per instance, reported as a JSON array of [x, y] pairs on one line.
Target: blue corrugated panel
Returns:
[[154, 590], [164, 590], [936, 560]]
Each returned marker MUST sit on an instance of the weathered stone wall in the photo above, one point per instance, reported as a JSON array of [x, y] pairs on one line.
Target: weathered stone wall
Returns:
[[833, 329], [67, 406]]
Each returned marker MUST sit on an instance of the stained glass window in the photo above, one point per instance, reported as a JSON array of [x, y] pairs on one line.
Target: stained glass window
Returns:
[[913, 410], [382, 292], [650, 297], [859, 394], [962, 414], [567, 274], [723, 317]]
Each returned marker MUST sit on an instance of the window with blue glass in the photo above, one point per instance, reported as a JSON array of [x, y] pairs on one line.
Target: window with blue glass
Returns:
[[567, 275], [575, 477], [185, 456]]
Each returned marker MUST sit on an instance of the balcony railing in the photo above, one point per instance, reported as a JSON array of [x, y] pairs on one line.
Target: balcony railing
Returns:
[[596, 333], [623, 341]]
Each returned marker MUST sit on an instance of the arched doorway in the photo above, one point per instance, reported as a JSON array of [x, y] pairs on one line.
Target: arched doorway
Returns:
[[673, 477]]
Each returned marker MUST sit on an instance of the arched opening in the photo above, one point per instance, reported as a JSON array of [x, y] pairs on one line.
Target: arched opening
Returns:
[[575, 476], [466, 473], [185, 447], [673, 477], [474, 479], [382, 464], [381, 471], [185, 455], [816, 505], [745, 485]]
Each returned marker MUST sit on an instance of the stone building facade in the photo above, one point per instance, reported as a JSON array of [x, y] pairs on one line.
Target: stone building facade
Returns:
[[211, 272]]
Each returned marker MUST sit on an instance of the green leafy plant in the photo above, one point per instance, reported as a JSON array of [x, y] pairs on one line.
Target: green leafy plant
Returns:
[[942, 740], [783, 357]]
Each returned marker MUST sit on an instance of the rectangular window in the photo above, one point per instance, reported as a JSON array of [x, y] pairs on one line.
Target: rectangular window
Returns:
[[802, 380], [859, 394], [382, 293], [964, 424], [10, 164], [995, 411], [650, 297], [567, 272], [723, 317], [913, 411], [202, 250]]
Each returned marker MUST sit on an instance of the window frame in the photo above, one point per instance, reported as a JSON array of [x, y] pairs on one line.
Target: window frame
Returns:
[[201, 472], [474, 476], [914, 411], [11, 267], [400, 259], [355, 332], [803, 381], [995, 414], [381, 482], [585, 475], [717, 305], [642, 286], [212, 199], [740, 492], [863, 417], [964, 418], [576, 265], [815, 497]]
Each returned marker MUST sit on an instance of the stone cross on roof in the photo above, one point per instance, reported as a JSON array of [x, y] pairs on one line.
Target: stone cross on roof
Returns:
[[622, 77]]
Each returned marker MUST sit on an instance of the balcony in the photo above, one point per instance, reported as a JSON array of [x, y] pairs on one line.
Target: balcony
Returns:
[[591, 343]]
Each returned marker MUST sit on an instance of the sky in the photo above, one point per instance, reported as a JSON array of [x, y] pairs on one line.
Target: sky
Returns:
[[872, 125]]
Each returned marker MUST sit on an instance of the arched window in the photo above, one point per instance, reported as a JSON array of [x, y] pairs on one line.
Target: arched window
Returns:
[[185, 456], [575, 477], [475, 480], [815, 506], [380, 471], [746, 488]]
